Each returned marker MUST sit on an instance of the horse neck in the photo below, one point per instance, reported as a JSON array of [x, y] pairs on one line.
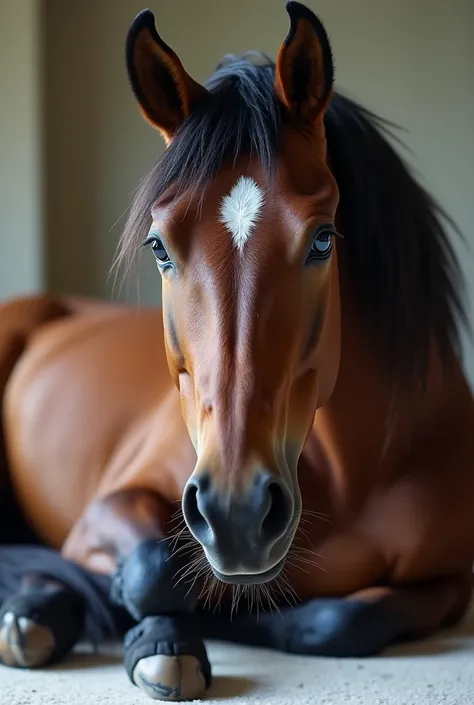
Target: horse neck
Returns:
[[362, 433], [365, 438]]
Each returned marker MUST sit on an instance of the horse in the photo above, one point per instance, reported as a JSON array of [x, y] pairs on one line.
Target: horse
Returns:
[[289, 440]]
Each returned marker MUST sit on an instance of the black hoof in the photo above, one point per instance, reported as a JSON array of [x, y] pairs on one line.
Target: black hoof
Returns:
[[165, 659], [39, 627]]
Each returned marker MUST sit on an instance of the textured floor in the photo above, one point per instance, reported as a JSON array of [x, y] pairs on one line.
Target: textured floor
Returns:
[[435, 672]]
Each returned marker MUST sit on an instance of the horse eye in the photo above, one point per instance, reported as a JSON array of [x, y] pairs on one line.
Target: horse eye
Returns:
[[322, 245], [159, 251]]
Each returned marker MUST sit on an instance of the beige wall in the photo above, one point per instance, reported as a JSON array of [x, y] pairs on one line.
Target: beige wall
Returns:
[[409, 60], [21, 233]]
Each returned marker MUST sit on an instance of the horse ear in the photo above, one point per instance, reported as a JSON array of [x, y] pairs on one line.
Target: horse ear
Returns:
[[304, 71], [165, 93]]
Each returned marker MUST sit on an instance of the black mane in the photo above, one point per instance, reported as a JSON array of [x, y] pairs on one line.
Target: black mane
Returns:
[[404, 273]]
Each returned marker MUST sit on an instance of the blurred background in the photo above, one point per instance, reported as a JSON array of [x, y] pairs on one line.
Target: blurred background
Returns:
[[73, 145]]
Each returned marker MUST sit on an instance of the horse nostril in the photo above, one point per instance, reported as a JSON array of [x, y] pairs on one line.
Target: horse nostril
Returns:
[[192, 514], [278, 517], [239, 531]]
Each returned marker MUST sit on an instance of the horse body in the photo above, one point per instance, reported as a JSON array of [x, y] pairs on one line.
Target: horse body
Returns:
[[300, 396], [87, 416]]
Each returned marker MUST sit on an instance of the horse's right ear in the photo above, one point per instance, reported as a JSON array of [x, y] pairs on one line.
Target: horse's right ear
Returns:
[[304, 69], [165, 93]]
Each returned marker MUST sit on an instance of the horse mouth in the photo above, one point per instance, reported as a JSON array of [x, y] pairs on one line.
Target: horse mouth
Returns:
[[250, 578]]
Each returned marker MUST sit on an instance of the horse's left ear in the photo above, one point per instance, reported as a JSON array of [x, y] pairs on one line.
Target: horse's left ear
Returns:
[[165, 92], [304, 70]]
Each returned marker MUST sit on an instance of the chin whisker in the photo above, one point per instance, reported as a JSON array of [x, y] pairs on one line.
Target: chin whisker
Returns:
[[298, 558], [199, 561], [221, 589], [293, 564], [288, 587], [212, 589], [306, 513], [272, 603], [199, 574]]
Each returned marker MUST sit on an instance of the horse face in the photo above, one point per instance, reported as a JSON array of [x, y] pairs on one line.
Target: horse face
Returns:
[[250, 300]]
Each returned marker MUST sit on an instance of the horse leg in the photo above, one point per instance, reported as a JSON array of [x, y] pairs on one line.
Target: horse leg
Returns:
[[362, 624], [164, 654]]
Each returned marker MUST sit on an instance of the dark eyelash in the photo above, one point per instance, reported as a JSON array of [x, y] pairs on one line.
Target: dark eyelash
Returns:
[[151, 237], [331, 228]]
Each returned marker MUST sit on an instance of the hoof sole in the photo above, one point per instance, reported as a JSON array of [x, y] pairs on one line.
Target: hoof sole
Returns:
[[24, 644], [170, 678]]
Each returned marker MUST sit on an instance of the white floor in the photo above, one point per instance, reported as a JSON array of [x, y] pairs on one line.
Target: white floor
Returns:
[[435, 672]]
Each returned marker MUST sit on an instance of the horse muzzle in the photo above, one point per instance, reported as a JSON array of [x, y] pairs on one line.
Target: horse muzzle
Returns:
[[245, 535]]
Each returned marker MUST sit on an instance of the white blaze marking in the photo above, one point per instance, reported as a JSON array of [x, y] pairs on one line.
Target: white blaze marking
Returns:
[[241, 208]]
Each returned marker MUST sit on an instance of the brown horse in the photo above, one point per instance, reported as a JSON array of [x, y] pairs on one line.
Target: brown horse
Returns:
[[316, 427]]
